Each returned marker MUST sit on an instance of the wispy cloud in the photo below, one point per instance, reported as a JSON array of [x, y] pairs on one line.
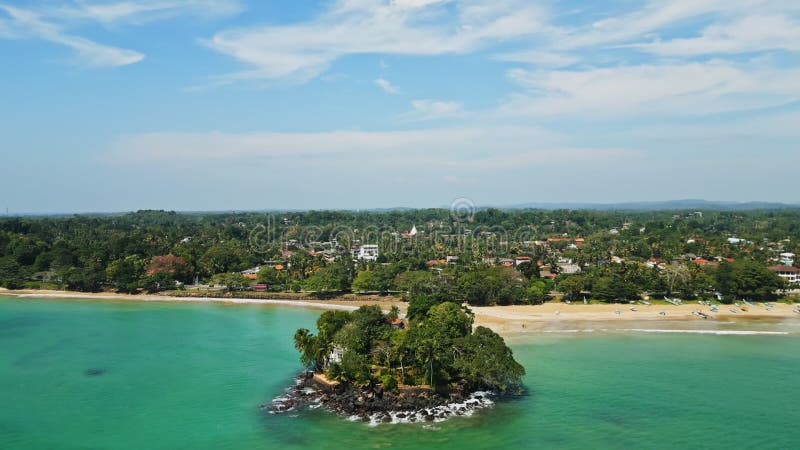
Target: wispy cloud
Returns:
[[538, 58], [746, 34], [654, 89], [52, 21], [387, 86], [304, 50], [142, 11], [655, 16], [427, 109], [465, 148], [29, 24]]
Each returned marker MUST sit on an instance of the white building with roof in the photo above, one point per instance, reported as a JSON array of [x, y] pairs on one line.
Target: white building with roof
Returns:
[[788, 273], [368, 252]]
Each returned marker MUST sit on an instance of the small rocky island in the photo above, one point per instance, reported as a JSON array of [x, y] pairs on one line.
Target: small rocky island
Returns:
[[377, 367]]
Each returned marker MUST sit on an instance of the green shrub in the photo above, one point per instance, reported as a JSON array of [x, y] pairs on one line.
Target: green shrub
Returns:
[[389, 382]]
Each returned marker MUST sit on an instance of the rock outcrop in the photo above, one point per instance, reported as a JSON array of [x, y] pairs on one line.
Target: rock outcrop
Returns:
[[373, 403]]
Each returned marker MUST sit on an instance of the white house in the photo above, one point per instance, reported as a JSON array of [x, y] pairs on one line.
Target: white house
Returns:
[[368, 253], [569, 269], [787, 259]]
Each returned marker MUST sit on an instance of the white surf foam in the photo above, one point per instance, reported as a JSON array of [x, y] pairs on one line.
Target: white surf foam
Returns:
[[586, 330], [716, 332], [477, 400]]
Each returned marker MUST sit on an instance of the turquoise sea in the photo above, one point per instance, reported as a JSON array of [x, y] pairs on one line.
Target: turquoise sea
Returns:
[[78, 374]]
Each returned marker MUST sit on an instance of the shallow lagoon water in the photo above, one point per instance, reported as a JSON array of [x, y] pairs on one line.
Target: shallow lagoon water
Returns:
[[89, 374]]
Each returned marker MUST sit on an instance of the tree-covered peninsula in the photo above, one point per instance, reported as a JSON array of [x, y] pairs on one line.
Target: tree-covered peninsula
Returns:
[[375, 362]]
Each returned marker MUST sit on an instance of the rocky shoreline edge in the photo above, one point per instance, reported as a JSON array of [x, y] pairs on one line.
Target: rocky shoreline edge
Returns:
[[375, 405]]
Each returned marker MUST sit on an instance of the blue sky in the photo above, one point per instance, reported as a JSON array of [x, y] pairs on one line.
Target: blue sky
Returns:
[[234, 104]]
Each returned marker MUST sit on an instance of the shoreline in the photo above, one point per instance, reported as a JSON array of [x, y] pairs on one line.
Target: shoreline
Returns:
[[508, 321], [66, 295]]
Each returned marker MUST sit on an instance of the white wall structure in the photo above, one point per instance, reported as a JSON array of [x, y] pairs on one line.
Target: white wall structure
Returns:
[[368, 253]]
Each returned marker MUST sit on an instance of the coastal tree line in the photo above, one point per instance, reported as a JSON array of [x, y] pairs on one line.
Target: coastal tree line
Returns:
[[149, 251]]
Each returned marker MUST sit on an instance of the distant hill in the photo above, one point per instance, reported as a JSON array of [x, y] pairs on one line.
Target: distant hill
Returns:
[[667, 205], [660, 205]]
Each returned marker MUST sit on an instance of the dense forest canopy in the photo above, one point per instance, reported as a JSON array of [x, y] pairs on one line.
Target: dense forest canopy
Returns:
[[491, 256]]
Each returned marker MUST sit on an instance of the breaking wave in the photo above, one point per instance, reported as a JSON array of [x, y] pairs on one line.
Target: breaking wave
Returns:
[[717, 332]]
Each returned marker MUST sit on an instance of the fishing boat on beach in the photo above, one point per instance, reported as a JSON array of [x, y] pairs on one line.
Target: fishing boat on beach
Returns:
[[671, 301]]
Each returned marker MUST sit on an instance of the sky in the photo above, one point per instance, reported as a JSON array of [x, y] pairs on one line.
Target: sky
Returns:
[[195, 105]]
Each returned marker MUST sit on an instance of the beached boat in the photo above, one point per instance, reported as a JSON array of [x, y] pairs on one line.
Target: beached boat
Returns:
[[645, 302], [617, 312], [734, 311], [675, 302], [633, 309], [662, 313]]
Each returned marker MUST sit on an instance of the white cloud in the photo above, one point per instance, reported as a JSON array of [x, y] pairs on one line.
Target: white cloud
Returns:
[[97, 55], [92, 53], [778, 126], [596, 78], [414, 4], [51, 21], [427, 109], [464, 148], [142, 11], [654, 89], [387, 86], [731, 26], [303, 51], [539, 58], [654, 16], [747, 34]]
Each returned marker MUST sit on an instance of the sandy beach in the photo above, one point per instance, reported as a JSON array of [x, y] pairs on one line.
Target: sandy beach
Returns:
[[505, 320], [511, 320]]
